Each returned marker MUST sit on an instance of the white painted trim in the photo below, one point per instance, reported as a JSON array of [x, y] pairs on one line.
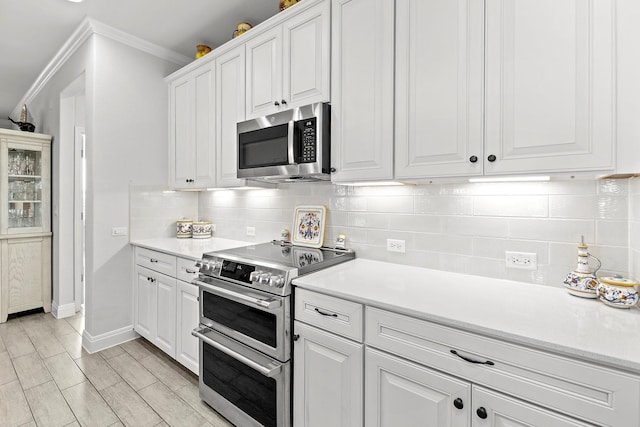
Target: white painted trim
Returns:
[[109, 339], [62, 311], [85, 30]]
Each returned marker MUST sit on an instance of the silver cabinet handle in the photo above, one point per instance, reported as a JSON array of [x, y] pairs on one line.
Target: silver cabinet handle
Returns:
[[153, 260], [189, 271], [290, 150], [267, 371]]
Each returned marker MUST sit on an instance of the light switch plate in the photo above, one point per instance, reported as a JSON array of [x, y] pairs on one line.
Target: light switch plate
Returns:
[[118, 231]]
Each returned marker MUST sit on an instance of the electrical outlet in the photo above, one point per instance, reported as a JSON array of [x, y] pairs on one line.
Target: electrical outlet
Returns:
[[522, 260], [394, 245], [251, 231], [118, 231]]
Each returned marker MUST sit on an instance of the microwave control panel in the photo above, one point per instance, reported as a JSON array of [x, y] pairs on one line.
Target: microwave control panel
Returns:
[[307, 137]]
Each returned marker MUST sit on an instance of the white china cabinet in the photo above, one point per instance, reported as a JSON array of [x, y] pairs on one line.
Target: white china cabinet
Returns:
[[25, 222]]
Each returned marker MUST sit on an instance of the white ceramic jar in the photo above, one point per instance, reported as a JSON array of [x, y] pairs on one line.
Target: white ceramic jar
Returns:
[[618, 292], [202, 229], [184, 228]]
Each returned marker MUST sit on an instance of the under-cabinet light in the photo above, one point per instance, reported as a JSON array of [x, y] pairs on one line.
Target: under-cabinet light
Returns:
[[372, 183], [512, 179]]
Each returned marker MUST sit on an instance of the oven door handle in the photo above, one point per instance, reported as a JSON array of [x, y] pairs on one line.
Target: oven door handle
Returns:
[[267, 371], [268, 304]]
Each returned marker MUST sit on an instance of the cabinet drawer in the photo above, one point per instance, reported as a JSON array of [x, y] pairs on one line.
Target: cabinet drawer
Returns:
[[587, 391], [156, 261], [186, 269], [331, 314]]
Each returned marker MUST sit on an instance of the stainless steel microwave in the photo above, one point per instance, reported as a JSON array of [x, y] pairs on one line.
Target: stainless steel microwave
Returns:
[[288, 146]]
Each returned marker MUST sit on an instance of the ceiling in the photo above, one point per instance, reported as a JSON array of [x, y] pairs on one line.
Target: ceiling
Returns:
[[32, 31]]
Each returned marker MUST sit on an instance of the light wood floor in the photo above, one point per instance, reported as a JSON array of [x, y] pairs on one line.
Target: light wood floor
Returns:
[[47, 379]]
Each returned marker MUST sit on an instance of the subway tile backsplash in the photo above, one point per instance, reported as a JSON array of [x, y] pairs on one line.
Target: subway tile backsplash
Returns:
[[461, 227]]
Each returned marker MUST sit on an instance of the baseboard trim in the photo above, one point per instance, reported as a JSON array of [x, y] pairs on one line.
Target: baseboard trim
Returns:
[[62, 311], [109, 339]]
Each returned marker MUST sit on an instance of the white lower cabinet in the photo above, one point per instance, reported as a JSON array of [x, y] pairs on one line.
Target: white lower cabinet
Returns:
[[328, 368], [166, 307], [401, 393], [419, 373], [156, 308], [187, 320]]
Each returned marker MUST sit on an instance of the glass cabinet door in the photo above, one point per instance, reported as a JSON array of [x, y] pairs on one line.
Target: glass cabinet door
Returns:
[[24, 188], [25, 183]]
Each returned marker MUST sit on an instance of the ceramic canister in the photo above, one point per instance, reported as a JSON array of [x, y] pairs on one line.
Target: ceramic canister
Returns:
[[618, 292], [202, 229], [184, 228]]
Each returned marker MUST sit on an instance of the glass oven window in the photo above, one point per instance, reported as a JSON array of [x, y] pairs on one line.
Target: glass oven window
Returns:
[[244, 319], [250, 391], [264, 147]]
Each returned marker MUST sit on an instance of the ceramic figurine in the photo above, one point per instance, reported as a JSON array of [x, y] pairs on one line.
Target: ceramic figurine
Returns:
[[202, 50], [287, 3], [582, 282], [241, 28], [618, 292]]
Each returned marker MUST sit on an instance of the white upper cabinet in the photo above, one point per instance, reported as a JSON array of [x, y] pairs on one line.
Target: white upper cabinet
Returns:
[[230, 109], [527, 89], [191, 129], [362, 79], [288, 65], [439, 71], [550, 85]]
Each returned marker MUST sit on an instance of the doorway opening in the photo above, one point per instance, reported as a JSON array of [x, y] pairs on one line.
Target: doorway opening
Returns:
[[80, 185]]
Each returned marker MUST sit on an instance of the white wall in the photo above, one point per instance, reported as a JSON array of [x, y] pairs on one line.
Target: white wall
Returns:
[[124, 110], [126, 143], [453, 227]]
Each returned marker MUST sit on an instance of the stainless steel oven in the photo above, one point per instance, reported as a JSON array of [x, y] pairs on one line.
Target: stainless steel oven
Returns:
[[245, 328]]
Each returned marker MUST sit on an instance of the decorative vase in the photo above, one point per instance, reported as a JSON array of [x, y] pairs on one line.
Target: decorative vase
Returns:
[[582, 282]]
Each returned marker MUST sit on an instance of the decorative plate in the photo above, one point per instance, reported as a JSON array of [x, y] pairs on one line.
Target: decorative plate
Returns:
[[308, 226]]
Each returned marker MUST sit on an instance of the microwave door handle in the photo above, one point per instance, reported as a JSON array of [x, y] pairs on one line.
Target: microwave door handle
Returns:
[[290, 138], [267, 371]]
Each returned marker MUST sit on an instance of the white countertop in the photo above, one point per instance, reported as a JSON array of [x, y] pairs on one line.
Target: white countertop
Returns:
[[544, 317], [189, 248]]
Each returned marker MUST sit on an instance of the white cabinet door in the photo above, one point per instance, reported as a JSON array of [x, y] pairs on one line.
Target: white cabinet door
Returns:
[[362, 80], [401, 393], [165, 337], [264, 73], [187, 320], [230, 109], [192, 129], [145, 299], [306, 58], [181, 142], [288, 65], [494, 409], [327, 379], [439, 72], [204, 100], [549, 85]]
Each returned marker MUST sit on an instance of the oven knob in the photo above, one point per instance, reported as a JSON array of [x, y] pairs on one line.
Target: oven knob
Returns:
[[199, 264], [214, 266], [264, 278], [276, 281], [206, 266], [255, 275]]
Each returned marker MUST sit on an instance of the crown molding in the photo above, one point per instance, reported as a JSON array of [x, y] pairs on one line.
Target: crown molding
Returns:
[[85, 30]]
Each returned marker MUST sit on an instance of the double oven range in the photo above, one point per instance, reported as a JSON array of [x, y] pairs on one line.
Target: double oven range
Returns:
[[245, 328]]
